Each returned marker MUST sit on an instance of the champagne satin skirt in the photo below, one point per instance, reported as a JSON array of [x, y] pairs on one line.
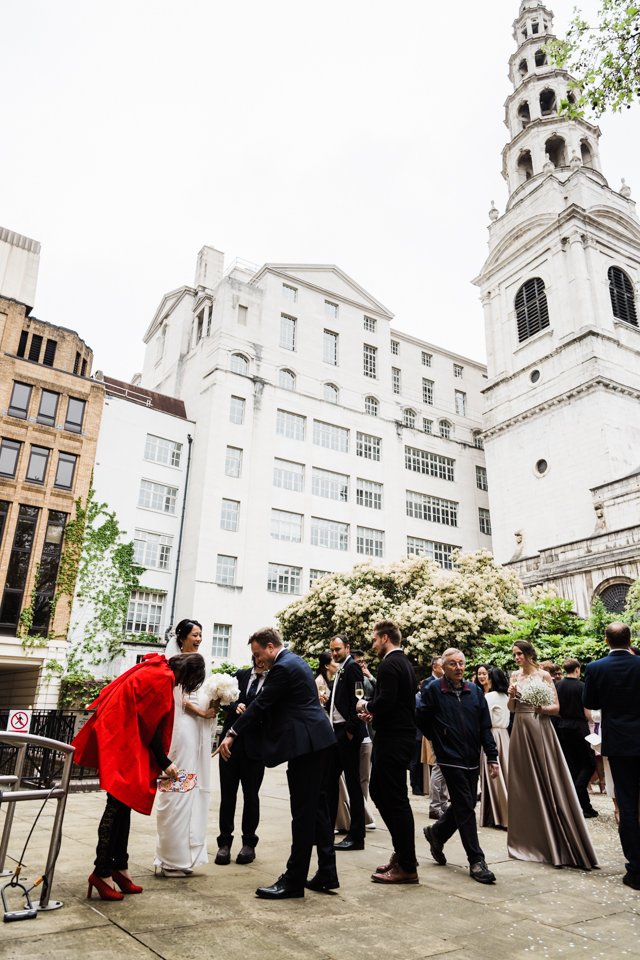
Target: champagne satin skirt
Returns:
[[493, 793]]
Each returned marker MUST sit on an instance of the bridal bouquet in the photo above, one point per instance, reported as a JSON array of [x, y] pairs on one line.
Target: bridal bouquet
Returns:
[[222, 687], [537, 693]]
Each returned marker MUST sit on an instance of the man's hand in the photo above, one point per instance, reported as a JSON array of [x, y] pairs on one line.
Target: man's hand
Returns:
[[241, 707], [494, 770], [171, 772], [225, 747]]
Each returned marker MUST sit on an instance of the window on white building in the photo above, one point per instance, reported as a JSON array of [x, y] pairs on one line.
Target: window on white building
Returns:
[[221, 640], [145, 612], [330, 347], [283, 578], [481, 478], [329, 533], [440, 552], [331, 436], [236, 409], [484, 520], [233, 462], [242, 315], [532, 311], [395, 348], [330, 393], [289, 293], [160, 450], [427, 391], [431, 464], [368, 446], [409, 418], [288, 475], [332, 486], [152, 550], [427, 425], [315, 575], [370, 324], [286, 526], [370, 361], [369, 494], [461, 403], [370, 542], [444, 429], [458, 371], [331, 309], [426, 358], [477, 440], [230, 515], [226, 570], [425, 507], [287, 332], [395, 380], [157, 496], [239, 364], [290, 425], [287, 379], [371, 406]]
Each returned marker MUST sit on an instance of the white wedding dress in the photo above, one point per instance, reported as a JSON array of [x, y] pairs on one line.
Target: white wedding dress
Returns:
[[181, 843]]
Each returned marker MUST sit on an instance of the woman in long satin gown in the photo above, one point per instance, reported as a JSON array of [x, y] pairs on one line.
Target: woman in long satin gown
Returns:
[[493, 795], [181, 842], [546, 823]]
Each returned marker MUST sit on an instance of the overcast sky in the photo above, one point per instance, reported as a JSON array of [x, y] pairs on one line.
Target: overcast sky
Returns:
[[357, 132]]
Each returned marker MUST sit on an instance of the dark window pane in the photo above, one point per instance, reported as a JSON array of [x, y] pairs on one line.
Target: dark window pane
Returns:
[[75, 415], [65, 471], [9, 450], [18, 567], [48, 407], [22, 346], [622, 296], [83, 370], [4, 512], [49, 353], [76, 363], [38, 460], [11, 605], [35, 348], [19, 403]]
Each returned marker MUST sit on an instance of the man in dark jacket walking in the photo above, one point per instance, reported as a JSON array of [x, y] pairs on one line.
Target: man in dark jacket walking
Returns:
[[455, 717]]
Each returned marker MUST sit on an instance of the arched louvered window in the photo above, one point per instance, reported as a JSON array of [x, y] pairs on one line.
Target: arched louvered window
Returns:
[[531, 308], [623, 301], [614, 597]]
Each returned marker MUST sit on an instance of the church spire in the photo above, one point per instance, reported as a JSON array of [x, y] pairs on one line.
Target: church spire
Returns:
[[542, 141]]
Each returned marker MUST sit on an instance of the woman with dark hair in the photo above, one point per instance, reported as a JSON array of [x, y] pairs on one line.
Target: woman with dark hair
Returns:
[[327, 668], [182, 808], [127, 739], [493, 798], [482, 677], [545, 820]]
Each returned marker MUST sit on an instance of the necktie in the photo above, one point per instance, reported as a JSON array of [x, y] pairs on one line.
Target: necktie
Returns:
[[333, 694], [253, 689]]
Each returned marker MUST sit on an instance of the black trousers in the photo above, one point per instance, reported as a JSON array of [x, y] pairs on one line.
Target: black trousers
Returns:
[[460, 814], [308, 777], [345, 759], [113, 838], [626, 779], [581, 761], [390, 761], [239, 770], [416, 769]]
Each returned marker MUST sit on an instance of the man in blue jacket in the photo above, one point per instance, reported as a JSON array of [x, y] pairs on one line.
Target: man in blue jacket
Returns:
[[454, 715], [612, 685]]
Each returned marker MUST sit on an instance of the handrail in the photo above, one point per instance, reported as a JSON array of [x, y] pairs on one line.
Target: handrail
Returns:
[[16, 794]]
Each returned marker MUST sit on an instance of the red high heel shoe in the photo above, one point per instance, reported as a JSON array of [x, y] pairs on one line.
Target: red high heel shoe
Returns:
[[105, 892], [125, 884]]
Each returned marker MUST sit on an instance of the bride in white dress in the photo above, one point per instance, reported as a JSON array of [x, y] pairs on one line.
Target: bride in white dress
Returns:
[[181, 843]]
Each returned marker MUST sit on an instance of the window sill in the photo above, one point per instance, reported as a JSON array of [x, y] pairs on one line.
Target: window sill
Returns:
[[229, 586]]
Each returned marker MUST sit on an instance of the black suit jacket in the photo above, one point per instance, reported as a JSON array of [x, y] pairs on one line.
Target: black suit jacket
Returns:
[[393, 706], [293, 721], [345, 698], [252, 741], [612, 685]]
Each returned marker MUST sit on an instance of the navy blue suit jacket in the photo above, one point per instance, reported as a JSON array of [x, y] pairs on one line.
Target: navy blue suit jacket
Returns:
[[293, 720], [612, 685]]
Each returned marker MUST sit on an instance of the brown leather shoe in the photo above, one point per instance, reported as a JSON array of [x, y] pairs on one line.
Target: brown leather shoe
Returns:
[[393, 860], [395, 875]]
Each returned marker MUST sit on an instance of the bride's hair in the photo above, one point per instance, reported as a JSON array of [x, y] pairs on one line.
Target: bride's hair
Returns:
[[528, 649], [183, 630]]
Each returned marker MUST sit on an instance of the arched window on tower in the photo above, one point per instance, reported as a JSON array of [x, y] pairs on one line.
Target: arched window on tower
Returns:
[[523, 67], [556, 150], [532, 312], [623, 301], [548, 102], [525, 166], [585, 153], [540, 58], [524, 114]]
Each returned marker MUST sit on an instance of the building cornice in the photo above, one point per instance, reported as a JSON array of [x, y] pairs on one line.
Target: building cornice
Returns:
[[288, 271]]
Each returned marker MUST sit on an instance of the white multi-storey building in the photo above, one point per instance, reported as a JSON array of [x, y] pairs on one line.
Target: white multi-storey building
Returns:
[[325, 438]]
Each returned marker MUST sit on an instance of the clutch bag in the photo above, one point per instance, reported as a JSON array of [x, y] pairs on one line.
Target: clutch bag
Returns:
[[185, 782]]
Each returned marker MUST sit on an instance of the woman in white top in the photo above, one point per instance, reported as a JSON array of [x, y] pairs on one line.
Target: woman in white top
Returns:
[[494, 798]]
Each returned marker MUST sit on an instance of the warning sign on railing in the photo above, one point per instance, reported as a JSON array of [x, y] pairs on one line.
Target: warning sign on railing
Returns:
[[19, 721]]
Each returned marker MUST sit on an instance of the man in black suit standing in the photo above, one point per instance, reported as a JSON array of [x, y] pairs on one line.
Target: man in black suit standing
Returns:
[[245, 767], [350, 731], [572, 727], [392, 710], [612, 685], [295, 728]]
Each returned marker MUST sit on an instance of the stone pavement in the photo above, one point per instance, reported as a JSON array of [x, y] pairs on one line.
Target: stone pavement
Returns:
[[534, 911]]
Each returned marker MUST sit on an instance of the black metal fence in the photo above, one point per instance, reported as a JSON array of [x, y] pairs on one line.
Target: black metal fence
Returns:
[[44, 766]]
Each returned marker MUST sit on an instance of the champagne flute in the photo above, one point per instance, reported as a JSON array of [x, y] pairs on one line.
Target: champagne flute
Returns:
[[359, 691]]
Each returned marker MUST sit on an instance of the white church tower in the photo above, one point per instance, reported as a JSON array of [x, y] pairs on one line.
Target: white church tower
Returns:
[[560, 296]]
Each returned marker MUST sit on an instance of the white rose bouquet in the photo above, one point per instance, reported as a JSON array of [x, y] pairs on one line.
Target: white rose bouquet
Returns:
[[537, 693], [222, 687]]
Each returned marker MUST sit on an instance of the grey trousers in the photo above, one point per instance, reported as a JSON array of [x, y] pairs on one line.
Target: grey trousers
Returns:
[[438, 793]]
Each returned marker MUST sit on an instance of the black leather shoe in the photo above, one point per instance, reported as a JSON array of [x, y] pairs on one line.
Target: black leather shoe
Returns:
[[349, 844], [480, 871], [280, 890], [436, 848], [590, 812], [223, 856], [631, 880], [322, 884], [246, 855]]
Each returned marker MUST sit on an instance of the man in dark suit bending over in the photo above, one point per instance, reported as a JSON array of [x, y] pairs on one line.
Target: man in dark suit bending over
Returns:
[[392, 710], [295, 728], [612, 685]]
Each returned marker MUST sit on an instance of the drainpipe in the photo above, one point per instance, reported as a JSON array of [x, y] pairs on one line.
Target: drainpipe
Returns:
[[184, 507]]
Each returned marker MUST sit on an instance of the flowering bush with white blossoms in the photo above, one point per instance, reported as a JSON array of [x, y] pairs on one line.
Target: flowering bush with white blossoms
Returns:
[[222, 687], [434, 608]]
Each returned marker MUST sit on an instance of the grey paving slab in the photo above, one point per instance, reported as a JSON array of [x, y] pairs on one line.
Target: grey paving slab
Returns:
[[105, 943], [617, 932]]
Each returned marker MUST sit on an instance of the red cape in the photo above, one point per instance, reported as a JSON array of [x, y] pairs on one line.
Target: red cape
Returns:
[[116, 738]]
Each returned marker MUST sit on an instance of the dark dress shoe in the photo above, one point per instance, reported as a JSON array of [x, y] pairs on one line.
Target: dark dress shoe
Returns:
[[435, 846], [590, 812], [246, 855], [480, 871], [393, 862], [223, 856], [349, 844], [322, 884], [631, 880], [280, 890], [396, 875]]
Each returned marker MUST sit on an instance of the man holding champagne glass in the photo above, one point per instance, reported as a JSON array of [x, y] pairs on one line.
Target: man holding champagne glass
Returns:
[[348, 688]]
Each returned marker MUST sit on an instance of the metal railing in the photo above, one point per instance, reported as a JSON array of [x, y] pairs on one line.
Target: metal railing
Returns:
[[42, 766], [16, 794]]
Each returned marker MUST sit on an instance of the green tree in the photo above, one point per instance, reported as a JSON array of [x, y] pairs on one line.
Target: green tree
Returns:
[[604, 58]]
